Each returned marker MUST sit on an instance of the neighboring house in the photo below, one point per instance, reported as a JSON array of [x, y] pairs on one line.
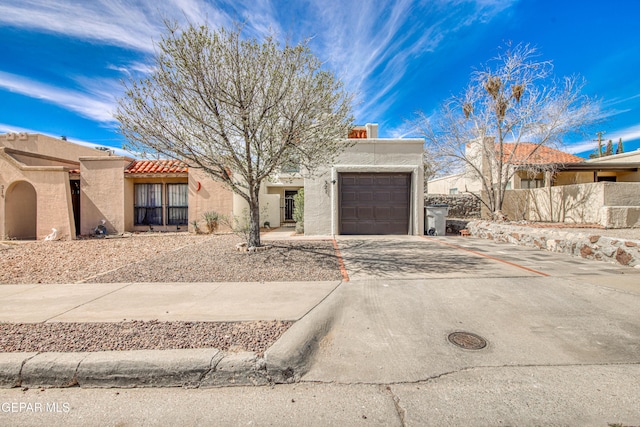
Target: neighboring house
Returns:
[[520, 156], [604, 191], [374, 187], [48, 183]]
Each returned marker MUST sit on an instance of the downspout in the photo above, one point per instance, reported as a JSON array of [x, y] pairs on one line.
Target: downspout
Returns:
[[333, 204]]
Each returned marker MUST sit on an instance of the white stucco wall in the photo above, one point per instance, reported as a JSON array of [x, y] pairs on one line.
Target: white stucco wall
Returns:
[[367, 155], [461, 181], [630, 157]]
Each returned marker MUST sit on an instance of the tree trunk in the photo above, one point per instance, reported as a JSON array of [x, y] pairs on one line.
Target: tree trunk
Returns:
[[254, 218]]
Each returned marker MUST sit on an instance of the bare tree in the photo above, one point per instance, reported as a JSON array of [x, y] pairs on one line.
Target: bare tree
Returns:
[[237, 108], [511, 108]]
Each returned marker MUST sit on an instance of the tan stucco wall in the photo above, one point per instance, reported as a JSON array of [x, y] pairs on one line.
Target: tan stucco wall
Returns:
[[628, 176], [36, 160], [102, 193], [53, 197], [610, 204], [47, 146], [212, 196], [367, 155], [570, 177]]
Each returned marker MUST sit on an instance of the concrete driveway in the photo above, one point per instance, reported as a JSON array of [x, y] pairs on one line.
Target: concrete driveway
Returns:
[[534, 309]]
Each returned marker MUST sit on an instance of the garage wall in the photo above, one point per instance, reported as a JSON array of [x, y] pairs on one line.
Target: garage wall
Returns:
[[367, 155]]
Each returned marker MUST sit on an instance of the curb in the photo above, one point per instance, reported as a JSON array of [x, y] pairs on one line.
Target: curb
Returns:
[[189, 368], [284, 362], [289, 358]]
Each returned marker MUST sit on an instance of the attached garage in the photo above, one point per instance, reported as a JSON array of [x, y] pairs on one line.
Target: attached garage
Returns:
[[375, 186], [374, 203]]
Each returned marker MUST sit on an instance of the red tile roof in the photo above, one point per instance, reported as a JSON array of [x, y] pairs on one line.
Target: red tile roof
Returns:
[[358, 134], [156, 166], [528, 153]]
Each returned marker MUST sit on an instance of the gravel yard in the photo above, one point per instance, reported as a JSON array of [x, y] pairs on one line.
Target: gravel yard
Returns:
[[165, 258], [139, 335], [177, 257]]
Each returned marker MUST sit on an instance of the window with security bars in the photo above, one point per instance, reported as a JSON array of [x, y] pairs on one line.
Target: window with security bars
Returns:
[[177, 204], [148, 204]]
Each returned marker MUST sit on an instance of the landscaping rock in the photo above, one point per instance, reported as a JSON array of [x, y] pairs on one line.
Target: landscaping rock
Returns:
[[578, 243]]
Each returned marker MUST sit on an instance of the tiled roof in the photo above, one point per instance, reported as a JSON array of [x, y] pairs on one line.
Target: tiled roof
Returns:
[[156, 166], [358, 134], [542, 154]]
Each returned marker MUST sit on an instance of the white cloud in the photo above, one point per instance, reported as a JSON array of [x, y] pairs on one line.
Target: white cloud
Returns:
[[96, 106], [130, 24], [371, 44]]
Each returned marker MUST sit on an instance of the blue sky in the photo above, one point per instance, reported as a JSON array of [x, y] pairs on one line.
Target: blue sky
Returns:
[[62, 60]]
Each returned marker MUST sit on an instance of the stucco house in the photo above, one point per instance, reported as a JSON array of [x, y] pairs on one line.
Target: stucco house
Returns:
[[374, 187], [48, 183], [604, 191], [468, 180]]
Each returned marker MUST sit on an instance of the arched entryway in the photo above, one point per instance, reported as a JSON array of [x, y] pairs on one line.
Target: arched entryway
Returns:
[[21, 209]]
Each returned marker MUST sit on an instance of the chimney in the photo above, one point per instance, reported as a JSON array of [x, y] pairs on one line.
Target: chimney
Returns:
[[372, 130]]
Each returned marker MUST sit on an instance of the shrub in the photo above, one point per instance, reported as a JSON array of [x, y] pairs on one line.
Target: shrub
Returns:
[[298, 211], [211, 218]]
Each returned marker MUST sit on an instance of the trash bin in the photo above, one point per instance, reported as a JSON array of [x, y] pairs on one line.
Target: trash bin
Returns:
[[436, 220]]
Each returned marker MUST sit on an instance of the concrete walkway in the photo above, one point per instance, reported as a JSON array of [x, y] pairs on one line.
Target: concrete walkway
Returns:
[[115, 302]]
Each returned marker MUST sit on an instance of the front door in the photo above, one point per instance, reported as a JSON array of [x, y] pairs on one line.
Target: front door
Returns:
[[75, 202], [289, 204]]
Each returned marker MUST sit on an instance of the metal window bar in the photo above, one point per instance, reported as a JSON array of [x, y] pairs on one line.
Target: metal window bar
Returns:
[[148, 204], [177, 204]]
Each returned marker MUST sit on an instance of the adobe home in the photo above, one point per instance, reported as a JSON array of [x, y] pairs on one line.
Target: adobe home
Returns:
[[374, 187], [48, 183]]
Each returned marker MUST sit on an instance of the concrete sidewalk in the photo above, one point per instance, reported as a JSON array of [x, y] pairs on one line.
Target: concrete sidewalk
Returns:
[[115, 302], [165, 302]]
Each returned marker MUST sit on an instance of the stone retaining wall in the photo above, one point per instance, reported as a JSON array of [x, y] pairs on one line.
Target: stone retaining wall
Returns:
[[460, 205], [592, 245]]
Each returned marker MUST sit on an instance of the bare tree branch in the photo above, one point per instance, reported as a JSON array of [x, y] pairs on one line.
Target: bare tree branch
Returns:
[[225, 104], [511, 101]]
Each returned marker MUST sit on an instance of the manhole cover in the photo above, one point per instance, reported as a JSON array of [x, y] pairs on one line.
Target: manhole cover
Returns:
[[467, 340]]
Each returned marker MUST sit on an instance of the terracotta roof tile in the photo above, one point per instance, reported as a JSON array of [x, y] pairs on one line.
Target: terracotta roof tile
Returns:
[[541, 154], [156, 166], [358, 134]]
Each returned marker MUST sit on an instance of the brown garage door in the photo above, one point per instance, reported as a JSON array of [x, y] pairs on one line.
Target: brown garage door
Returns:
[[374, 203]]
